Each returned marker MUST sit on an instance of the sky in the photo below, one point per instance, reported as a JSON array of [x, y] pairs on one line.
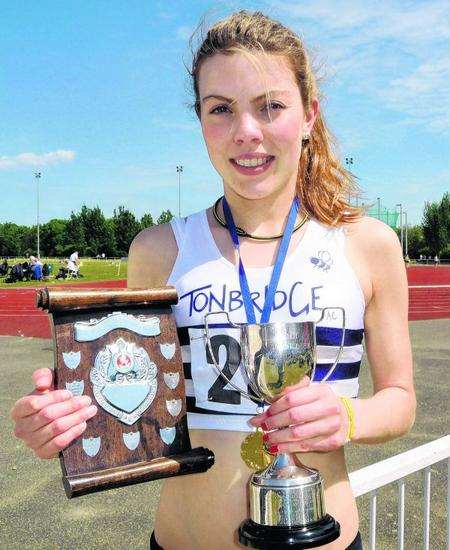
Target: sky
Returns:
[[96, 97]]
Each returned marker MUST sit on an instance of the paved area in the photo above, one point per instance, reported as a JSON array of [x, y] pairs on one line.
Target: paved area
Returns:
[[35, 514]]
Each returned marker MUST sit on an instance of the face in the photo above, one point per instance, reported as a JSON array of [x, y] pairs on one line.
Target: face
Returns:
[[253, 139]]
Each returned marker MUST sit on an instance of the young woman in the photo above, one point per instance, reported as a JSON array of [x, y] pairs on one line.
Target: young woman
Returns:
[[257, 102]]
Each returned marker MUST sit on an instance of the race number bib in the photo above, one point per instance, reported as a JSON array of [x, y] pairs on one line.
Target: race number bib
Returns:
[[211, 390]]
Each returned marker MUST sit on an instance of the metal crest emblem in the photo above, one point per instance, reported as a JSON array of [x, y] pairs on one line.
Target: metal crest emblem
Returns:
[[168, 435], [91, 445], [124, 380], [76, 387], [87, 331], [171, 379], [72, 359], [131, 439], [167, 350], [174, 406]]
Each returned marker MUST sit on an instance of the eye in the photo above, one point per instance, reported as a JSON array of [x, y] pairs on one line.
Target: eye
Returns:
[[219, 109], [273, 106]]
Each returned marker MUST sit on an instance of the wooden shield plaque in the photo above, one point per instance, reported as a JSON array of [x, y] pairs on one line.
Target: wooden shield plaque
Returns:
[[121, 348]]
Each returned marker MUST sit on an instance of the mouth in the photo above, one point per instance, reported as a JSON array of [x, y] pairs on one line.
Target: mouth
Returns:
[[252, 165]]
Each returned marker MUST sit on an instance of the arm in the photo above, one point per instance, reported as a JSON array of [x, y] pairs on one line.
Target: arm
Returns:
[[388, 347], [316, 417]]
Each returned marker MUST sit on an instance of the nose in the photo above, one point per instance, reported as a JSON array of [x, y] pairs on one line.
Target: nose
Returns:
[[247, 130]]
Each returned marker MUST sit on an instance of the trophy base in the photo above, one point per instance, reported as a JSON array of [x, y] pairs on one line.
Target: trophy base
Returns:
[[283, 538]]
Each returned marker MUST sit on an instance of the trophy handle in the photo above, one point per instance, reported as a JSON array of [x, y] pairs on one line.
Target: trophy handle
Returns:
[[216, 366], [341, 347]]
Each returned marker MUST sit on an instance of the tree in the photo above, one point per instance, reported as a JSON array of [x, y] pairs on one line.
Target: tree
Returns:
[[126, 227], [99, 234], [165, 217], [433, 229], [52, 237], [444, 216], [11, 239], [73, 238], [147, 221], [416, 242]]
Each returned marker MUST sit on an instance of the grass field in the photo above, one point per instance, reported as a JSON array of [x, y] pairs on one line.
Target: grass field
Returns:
[[91, 269]]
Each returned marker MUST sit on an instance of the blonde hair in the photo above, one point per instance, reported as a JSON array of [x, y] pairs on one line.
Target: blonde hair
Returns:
[[323, 184]]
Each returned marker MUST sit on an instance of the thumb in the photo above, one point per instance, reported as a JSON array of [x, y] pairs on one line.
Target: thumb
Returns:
[[43, 379]]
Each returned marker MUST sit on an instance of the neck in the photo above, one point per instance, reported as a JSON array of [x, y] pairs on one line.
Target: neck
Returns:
[[263, 216]]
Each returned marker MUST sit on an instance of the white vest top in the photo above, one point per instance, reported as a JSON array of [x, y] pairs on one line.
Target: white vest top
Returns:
[[316, 274]]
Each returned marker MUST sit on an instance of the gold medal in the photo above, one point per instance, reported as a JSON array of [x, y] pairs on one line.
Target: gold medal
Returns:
[[254, 453]]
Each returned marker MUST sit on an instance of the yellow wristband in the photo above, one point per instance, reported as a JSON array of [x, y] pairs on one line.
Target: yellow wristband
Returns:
[[351, 417]]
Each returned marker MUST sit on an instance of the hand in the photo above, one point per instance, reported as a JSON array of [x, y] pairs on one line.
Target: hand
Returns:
[[306, 418], [47, 420]]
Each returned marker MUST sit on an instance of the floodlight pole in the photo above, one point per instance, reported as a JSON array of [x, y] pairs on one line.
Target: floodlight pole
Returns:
[[37, 175], [406, 233], [378, 206], [348, 162], [179, 170], [401, 224]]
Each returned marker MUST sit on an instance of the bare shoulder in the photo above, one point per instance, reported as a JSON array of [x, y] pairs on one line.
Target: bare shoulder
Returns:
[[375, 252], [151, 258], [372, 236]]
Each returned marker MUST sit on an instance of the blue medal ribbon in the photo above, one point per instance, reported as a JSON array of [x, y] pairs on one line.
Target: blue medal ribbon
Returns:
[[277, 268]]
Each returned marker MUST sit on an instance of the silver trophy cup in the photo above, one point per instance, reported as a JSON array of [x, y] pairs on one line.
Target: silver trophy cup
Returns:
[[287, 507]]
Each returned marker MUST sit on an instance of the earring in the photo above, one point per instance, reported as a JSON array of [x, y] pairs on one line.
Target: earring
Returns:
[[305, 138]]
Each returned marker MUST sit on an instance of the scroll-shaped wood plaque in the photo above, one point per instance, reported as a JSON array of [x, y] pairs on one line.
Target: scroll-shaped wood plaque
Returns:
[[121, 348]]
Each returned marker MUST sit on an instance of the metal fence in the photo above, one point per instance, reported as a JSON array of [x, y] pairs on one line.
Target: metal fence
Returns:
[[395, 470]]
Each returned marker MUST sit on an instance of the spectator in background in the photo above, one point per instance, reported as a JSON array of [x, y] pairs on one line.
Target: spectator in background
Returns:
[[35, 267], [73, 264]]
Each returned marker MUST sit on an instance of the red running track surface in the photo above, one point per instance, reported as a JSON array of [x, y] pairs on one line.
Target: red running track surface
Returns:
[[19, 315], [429, 298]]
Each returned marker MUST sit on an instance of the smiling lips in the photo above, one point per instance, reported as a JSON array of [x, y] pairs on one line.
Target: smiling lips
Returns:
[[252, 161]]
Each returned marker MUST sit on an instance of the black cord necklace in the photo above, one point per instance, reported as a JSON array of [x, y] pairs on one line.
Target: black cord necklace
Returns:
[[242, 233]]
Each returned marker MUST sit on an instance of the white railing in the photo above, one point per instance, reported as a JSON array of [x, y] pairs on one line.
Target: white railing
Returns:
[[394, 469]]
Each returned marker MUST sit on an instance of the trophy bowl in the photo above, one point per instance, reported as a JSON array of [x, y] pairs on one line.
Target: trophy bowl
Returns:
[[286, 499]]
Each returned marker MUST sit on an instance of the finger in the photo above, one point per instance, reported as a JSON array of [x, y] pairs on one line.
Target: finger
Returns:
[[33, 403], [55, 411], [60, 442], [43, 379], [261, 418], [59, 426], [304, 382], [299, 415], [300, 432], [314, 445], [294, 398]]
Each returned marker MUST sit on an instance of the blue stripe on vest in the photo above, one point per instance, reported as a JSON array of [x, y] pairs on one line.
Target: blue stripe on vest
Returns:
[[325, 336], [343, 371], [328, 336]]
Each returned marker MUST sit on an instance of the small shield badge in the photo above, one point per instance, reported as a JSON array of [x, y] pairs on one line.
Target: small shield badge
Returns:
[[91, 445], [72, 359], [171, 379], [131, 439], [167, 350], [124, 380], [76, 387], [167, 435], [174, 406]]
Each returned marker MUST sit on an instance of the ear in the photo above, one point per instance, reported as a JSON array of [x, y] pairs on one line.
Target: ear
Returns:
[[311, 115]]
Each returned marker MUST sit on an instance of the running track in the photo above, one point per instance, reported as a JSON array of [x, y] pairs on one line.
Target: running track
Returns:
[[429, 298]]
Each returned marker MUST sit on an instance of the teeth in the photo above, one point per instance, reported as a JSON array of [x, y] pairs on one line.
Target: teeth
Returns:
[[252, 162]]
